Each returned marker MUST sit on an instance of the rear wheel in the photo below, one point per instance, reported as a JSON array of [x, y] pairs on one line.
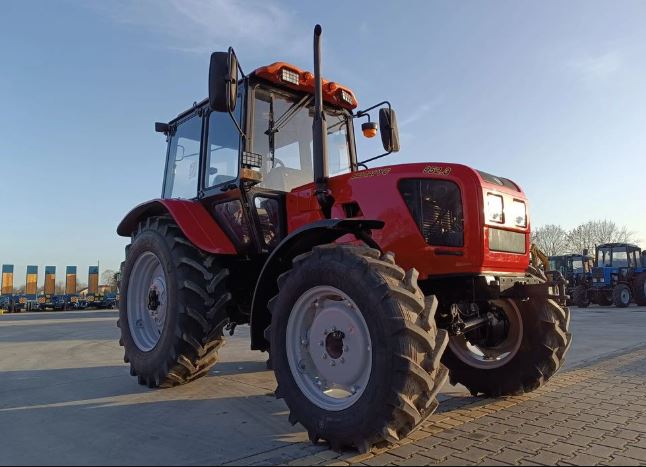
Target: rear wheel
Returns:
[[526, 348], [639, 289], [580, 296], [354, 347], [621, 296], [173, 306]]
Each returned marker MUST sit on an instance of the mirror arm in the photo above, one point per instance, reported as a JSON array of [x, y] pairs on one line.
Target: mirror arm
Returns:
[[373, 158], [364, 112], [233, 52]]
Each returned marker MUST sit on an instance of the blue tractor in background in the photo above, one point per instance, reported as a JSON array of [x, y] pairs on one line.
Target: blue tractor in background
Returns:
[[577, 271], [618, 278]]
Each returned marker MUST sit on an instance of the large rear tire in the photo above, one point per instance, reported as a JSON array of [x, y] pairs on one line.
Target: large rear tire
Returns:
[[639, 289], [621, 296], [580, 296], [173, 306], [535, 351], [354, 347]]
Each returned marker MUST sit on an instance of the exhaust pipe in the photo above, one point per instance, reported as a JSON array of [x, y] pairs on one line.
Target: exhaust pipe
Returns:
[[319, 134]]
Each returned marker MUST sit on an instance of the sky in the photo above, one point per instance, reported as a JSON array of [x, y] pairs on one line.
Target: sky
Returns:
[[550, 94]]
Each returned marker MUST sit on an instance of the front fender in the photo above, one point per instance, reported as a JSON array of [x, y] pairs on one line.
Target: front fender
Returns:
[[300, 241], [191, 217]]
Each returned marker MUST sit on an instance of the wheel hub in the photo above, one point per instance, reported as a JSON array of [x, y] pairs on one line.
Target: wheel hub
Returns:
[[147, 301], [329, 348], [495, 345]]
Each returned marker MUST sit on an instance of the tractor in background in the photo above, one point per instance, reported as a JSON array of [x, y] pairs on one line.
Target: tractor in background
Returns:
[[577, 271], [618, 278], [369, 287]]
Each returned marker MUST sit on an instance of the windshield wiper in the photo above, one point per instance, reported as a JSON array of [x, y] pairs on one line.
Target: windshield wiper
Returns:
[[287, 116]]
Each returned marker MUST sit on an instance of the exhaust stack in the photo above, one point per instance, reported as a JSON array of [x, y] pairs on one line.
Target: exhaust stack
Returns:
[[319, 137]]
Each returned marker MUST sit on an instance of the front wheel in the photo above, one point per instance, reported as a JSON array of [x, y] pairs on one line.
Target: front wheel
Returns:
[[621, 296], [354, 347], [523, 348]]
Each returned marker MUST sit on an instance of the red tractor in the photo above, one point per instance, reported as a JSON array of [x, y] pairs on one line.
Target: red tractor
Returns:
[[368, 286]]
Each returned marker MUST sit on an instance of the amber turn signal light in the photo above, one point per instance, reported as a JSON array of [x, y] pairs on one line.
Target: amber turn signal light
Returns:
[[369, 129]]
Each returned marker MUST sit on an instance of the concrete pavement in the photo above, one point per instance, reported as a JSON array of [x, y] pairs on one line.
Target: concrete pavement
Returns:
[[67, 398]]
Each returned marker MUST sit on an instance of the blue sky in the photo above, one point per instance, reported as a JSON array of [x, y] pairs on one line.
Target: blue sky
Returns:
[[551, 94]]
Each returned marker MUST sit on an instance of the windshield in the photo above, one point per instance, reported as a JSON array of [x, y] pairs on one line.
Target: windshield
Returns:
[[619, 258], [282, 134], [577, 264], [603, 257]]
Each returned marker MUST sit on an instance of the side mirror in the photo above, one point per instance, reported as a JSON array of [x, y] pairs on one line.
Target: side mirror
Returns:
[[223, 81], [389, 130], [162, 127]]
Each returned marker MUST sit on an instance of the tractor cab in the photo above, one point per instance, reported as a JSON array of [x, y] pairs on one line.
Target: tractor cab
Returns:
[[240, 161]]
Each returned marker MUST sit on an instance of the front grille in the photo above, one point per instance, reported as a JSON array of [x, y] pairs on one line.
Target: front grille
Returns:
[[506, 241], [597, 273], [436, 206]]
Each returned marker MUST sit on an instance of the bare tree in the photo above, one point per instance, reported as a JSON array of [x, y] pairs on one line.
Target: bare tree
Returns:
[[551, 239], [109, 277], [593, 233]]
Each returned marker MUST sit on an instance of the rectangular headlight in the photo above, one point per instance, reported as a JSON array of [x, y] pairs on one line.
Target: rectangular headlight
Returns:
[[289, 76], [519, 213], [495, 208]]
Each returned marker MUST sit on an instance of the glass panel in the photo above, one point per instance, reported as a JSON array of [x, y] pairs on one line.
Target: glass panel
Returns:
[[231, 216], [183, 160], [268, 211], [223, 142], [577, 265], [282, 134], [619, 258]]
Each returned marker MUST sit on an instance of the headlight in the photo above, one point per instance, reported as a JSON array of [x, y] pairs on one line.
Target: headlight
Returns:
[[495, 208], [519, 213]]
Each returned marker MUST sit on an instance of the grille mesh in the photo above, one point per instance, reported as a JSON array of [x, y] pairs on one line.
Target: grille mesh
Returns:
[[436, 206]]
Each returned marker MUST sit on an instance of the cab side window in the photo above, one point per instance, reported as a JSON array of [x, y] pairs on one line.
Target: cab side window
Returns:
[[223, 147], [183, 164]]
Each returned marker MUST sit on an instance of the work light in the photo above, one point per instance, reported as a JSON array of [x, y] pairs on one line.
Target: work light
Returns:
[[289, 76], [347, 97]]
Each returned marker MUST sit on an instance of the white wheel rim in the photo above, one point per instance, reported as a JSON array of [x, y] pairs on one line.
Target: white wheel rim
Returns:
[[147, 302], [329, 349], [489, 358]]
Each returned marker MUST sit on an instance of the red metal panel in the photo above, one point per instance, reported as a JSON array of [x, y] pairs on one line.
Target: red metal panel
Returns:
[[191, 217]]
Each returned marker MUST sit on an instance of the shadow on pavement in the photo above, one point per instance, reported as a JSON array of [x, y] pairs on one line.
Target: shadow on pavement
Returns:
[[60, 315]]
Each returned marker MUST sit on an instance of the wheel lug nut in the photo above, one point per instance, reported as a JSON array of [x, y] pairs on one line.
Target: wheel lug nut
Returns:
[[345, 348], [332, 363], [304, 342], [342, 360], [324, 356], [321, 343]]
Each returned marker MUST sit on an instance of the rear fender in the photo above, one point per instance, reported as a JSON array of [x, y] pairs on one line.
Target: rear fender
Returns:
[[191, 217], [300, 241]]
